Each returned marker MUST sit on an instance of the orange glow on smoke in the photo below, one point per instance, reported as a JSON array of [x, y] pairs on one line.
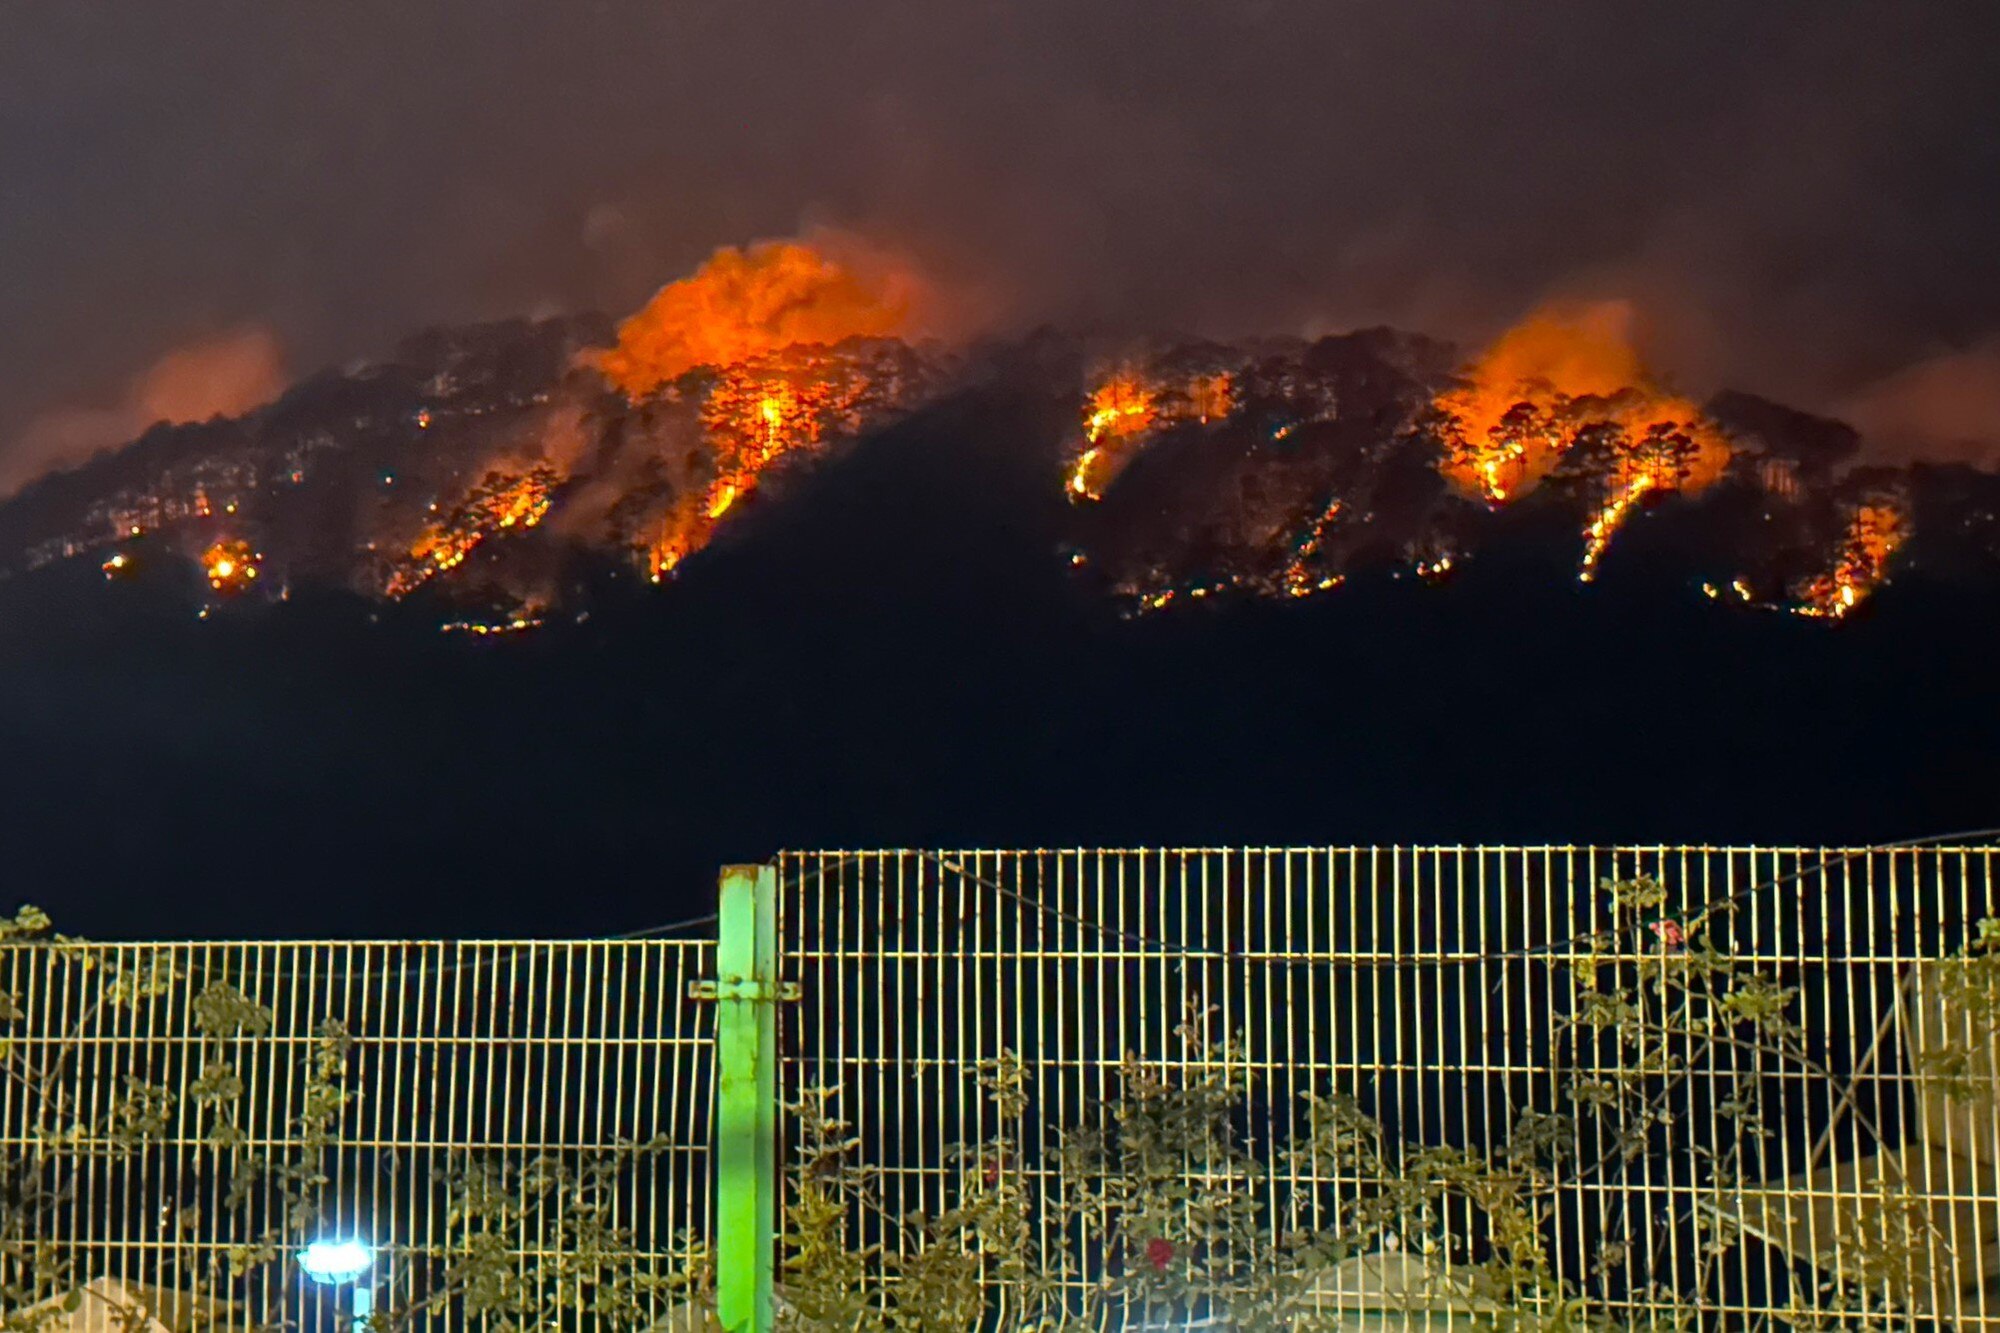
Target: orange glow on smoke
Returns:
[[1877, 529], [1524, 403], [744, 304], [1506, 435], [230, 565], [1565, 375], [765, 319]]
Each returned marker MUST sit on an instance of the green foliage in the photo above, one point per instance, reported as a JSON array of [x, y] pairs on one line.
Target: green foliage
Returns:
[[1968, 986], [67, 1131], [534, 1243]]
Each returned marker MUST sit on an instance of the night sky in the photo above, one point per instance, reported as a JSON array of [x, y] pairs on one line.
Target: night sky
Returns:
[[1800, 194], [1798, 197]]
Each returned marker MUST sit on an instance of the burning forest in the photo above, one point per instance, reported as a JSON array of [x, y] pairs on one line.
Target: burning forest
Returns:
[[493, 471]]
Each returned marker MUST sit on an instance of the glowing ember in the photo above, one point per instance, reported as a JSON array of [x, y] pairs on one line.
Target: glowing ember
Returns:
[[1875, 532], [230, 565], [1299, 580], [519, 623]]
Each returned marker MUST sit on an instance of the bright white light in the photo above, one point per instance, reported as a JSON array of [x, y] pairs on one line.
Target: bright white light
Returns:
[[335, 1261]]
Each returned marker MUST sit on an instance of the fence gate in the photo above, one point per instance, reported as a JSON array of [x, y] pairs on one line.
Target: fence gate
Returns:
[[1393, 1087]]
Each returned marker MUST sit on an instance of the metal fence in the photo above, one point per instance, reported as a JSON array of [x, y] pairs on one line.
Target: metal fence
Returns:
[[1347, 1087], [514, 1127], [1771, 1095]]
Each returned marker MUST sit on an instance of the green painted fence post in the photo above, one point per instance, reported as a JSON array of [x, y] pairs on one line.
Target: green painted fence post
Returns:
[[746, 991]]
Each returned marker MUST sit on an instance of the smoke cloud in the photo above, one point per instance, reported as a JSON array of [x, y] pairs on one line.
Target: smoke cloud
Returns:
[[1943, 409], [224, 375], [743, 304], [1797, 196]]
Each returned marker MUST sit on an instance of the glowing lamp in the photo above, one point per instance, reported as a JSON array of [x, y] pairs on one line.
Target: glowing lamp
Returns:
[[335, 1262]]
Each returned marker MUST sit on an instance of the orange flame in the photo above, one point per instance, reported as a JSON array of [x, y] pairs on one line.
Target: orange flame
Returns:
[[1564, 375], [744, 304], [1877, 529], [1299, 578], [1524, 403], [499, 503], [1126, 407], [1120, 410], [1662, 445], [756, 413], [230, 565]]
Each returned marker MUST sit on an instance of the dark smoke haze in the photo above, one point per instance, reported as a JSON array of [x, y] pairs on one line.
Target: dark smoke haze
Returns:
[[1799, 195]]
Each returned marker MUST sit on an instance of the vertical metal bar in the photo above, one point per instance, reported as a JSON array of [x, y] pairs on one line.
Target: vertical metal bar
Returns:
[[746, 1049]]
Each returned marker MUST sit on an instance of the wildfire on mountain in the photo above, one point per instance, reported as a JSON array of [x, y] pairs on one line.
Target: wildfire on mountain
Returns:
[[507, 469], [1565, 390], [755, 412], [500, 502], [1876, 529], [1127, 405]]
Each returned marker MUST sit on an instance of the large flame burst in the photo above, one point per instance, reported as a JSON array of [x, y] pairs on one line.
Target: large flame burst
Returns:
[[745, 304], [766, 351], [764, 320], [1875, 531], [1126, 406], [1564, 377]]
